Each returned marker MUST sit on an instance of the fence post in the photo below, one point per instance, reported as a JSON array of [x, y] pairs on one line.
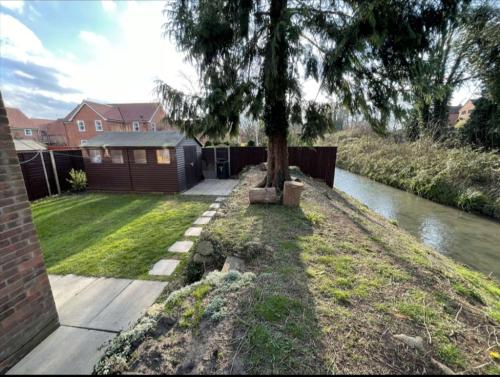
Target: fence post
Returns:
[[45, 173], [215, 161], [54, 169]]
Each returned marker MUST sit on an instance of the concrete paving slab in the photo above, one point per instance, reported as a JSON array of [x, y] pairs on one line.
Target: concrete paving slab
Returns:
[[87, 304], [67, 287], [67, 350], [164, 267], [208, 213], [181, 247], [214, 206], [194, 231], [213, 187], [202, 221], [128, 306]]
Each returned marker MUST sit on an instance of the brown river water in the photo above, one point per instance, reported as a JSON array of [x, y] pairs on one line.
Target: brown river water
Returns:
[[469, 239]]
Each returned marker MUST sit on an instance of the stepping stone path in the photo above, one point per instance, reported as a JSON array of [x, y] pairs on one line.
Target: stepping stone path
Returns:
[[194, 231], [165, 267], [181, 247]]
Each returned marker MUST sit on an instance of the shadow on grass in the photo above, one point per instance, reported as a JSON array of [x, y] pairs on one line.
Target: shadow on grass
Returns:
[[280, 332]]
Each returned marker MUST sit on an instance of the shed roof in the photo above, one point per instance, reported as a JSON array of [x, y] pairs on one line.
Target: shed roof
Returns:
[[28, 146], [160, 139]]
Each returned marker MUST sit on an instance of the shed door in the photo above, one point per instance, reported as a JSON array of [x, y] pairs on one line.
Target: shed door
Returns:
[[191, 163]]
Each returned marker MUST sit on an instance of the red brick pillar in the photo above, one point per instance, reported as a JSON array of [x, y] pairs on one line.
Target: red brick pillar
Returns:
[[27, 310]]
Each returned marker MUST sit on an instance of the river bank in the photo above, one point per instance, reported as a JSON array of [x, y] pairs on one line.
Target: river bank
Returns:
[[330, 287], [459, 177]]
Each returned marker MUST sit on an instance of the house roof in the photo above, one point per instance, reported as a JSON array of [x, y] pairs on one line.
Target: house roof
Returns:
[[28, 146], [17, 118], [39, 123], [161, 139], [122, 112], [454, 109]]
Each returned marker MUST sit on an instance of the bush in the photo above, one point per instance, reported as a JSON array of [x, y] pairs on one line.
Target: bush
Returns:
[[78, 180], [483, 127], [251, 143]]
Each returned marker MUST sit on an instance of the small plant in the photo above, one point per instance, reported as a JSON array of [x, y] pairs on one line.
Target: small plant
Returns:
[[78, 180]]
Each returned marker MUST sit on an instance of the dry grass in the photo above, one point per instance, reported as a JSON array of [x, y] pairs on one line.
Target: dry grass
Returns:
[[338, 284], [460, 177]]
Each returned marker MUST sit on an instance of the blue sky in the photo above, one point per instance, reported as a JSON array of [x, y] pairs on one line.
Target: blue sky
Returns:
[[54, 54]]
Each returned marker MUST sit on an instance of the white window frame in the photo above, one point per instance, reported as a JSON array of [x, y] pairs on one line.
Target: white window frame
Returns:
[[28, 132], [153, 126], [80, 124], [135, 124], [83, 142], [98, 125]]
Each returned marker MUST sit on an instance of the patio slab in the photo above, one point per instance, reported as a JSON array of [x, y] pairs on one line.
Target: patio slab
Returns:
[[202, 221], [164, 267], [68, 350], [194, 231], [181, 247], [208, 213], [213, 187], [214, 206]]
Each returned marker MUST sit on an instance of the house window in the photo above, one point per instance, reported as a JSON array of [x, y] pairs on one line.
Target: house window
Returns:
[[96, 156], [117, 156], [98, 125], [135, 126], [81, 125], [140, 156], [152, 127], [28, 132], [83, 142], [163, 156]]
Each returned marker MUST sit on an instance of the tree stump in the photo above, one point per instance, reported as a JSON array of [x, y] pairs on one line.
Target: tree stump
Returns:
[[263, 195], [291, 193]]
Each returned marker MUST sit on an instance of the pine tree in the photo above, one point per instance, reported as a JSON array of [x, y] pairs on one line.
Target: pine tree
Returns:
[[252, 56]]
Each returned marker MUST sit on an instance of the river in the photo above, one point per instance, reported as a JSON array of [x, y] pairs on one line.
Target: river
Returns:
[[469, 239]]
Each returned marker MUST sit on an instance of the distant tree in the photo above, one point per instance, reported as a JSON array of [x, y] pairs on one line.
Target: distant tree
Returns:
[[483, 127], [252, 56]]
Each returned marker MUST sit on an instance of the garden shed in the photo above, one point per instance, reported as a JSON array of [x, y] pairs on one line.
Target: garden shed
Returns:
[[167, 162]]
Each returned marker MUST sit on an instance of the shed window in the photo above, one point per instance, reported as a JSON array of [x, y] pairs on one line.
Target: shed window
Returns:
[[28, 132], [96, 156], [140, 156], [163, 156], [135, 126], [117, 156]]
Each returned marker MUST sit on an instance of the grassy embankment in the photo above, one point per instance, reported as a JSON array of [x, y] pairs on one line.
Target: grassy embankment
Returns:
[[112, 235], [332, 284], [459, 177]]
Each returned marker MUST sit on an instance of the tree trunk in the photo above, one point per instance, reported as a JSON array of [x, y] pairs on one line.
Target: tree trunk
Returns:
[[275, 94]]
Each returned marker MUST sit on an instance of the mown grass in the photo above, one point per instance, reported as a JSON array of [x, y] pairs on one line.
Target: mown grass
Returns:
[[111, 235], [461, 177]]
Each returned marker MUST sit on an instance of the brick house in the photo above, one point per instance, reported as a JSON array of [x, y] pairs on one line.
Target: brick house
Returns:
[[27, 309], [22, 127], [460, 113], [90, 119]]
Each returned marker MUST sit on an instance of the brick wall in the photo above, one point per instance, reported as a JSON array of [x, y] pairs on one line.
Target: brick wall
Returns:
[[27, 310]]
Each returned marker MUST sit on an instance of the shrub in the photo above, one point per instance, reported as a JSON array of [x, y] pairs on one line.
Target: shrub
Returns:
[[78, 180], [251, 143]]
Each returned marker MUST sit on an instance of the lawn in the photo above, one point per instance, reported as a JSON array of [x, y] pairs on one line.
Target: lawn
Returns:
[[112, 235]]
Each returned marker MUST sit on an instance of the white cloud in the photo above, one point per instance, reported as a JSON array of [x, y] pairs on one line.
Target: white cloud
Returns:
[[17, 41], [108, 5], [23, 74], [15, 5], [93, 39]]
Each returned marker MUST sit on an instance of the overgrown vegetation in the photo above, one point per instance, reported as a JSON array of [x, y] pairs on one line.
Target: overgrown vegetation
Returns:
[[460, 177], [336, 285], [111, 235]]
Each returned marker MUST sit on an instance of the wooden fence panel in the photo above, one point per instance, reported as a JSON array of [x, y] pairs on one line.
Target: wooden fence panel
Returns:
[[34, 177], [317, 162]]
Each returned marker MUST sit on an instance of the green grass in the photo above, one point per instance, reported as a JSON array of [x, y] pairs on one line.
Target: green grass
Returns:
[[111, 235], [461, 177]]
